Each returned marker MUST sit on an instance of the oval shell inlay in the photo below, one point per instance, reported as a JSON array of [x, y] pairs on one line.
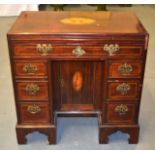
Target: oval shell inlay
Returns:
[[77, 21], [77, 81]]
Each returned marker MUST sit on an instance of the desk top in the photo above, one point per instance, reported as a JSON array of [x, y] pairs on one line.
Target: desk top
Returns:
[[50, 22]]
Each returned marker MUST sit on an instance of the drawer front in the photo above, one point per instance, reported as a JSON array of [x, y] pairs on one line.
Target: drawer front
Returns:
[[32, 91], [120, 113], [34, 113], [48, 49], [30, 69], [123, 90], [127, 52], [125, 68], [57, 50]]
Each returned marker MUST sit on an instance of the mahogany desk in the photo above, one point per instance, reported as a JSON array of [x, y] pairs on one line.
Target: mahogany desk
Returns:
[[77, 64]]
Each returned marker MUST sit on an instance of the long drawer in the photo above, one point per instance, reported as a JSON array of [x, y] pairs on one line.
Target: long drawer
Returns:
[[45, 49]]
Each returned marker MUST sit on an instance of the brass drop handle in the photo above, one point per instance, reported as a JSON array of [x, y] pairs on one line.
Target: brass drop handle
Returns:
[[33, 109], [78, 51], [111, 48], [123, 88], [121, 109], [30, 69], [32, 89], [44, 49], [125, 69]]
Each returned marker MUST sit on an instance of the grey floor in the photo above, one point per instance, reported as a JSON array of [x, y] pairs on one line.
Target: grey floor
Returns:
[[80, 133]]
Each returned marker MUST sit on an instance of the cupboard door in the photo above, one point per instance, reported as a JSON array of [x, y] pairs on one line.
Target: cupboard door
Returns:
[[77, 84]]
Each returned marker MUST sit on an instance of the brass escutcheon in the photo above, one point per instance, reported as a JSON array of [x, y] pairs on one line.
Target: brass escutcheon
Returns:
[[30, 69], [32, 89], [121, 109], [33, 109], [62, 82], [123, 88], [43, 49], [111, 48], [78, 51], [125, 69]]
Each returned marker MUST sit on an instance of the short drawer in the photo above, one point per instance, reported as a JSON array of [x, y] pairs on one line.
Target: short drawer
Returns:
[[34, 113], [44, 49], [121, 113], [125, 69], [123, 90], [30, 68], [32, 91]]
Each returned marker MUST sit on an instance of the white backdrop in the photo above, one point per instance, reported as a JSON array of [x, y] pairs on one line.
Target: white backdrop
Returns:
[[15, 9]]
